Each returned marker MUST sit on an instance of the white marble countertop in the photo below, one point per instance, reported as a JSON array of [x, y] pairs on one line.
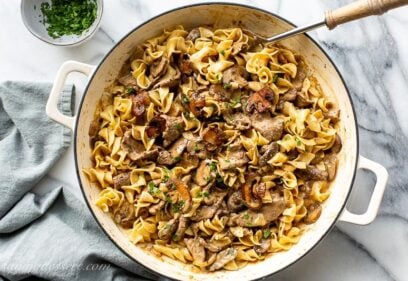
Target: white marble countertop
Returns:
[[372, 55]]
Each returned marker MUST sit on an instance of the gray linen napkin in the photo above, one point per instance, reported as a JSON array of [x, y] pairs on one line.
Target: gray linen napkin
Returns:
[[45, 231]]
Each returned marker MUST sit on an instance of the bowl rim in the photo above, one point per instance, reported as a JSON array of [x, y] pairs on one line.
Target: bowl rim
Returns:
[[210, 4], [81, 39]]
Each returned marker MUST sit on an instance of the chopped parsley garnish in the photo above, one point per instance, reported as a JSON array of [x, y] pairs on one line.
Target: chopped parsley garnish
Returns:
[[165, 178], [174, 237], [298, 142], [177, 158], [203, 194], [196, 148], [218, 178], [275, 78], [185, 99], [246, 216], [266, 233], [227, 86], [152, 188], [222, 53], [213, 166], [167, 198], [208, 178], [179, 127], [130, 90], [176, 207], [68, 17]]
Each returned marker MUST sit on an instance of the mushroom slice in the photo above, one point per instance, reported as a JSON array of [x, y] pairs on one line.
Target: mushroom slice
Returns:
[[313, 213], [214, 136], [196, 248], [140, 102]]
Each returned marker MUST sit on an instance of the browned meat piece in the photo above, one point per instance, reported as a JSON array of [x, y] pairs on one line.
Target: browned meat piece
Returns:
[[312, 173], [120, 180], [155, 127], [136, 150], [239, 120], [234, 159], [313, 213], [333, 114], [204, 212], [264, 247], [196, 248], [268, 152], [195, 146], [173, 155], [128, 81], [336, 145], [223, 258], [270, 127], [219, 92], [193, 34], [140, 102], [214, 137], [235, 201], [208, 212], [215, 198], [125, 214], [189, 160], [203, 174], [258, 190], [167, 231], [257, 103], [170, 79], [185, 65], [173, 129], [181, 229], [330, 162], [93, 131], [215, 245], [301, 102], [273, 210], [158, 68], [156, 208], [235, 75]]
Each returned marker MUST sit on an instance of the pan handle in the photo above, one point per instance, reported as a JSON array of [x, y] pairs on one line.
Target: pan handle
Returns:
[[52, 104], [375, 200]]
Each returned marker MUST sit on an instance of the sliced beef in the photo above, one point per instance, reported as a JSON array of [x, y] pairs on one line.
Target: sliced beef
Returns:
[[173, 155], [235, 75], [125, 215], [219, 92], [313, 213], [121, 180], [140, 102], [239, 120], [223, 258], [264, 247], [268, 151], [173, 129], [196, 248], [270, 127], [312, 173], [170, 79], [155, 127], [234, 159], [181, 229], [128, 81], [330, 161], [136, 150], [169, 228]]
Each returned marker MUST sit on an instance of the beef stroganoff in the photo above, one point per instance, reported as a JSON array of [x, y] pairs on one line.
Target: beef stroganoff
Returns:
[[212, 150]]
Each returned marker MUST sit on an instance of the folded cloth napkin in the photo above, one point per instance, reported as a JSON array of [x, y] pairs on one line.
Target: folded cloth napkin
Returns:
[[45, 231]]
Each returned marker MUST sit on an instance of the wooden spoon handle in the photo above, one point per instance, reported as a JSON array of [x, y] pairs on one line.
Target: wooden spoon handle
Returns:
[[360, 9]]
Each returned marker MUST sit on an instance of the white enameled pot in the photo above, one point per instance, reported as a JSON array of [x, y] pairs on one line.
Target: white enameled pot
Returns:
[[263, 23]]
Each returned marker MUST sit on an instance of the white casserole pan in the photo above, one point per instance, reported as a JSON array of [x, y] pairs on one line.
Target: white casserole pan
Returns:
[[264, 23]]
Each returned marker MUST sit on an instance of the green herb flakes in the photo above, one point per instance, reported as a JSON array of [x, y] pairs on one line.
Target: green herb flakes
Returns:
[[266, 233], [226, 86], [64, 17], [130, 90], [152, 188], [176, 207], [213, 166]]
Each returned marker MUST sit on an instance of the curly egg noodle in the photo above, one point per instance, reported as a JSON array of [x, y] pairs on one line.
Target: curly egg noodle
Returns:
[[212, 150]]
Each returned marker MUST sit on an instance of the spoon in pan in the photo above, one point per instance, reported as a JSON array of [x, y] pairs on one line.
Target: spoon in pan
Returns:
[[356, 10]]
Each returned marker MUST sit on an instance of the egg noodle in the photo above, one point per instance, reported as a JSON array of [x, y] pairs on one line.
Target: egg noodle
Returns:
[[213, 150]]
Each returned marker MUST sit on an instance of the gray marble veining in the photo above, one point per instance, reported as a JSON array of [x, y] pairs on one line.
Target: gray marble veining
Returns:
[[372, 55]]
